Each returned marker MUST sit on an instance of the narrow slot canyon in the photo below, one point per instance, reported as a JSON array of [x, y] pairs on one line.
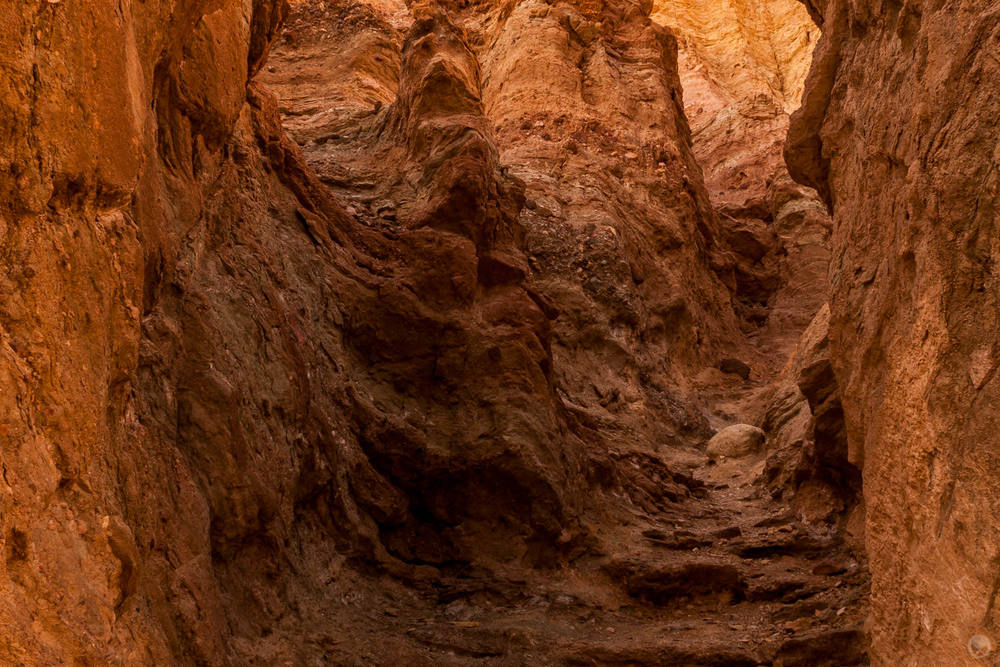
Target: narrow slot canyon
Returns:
[[751, 560], [454, 332]]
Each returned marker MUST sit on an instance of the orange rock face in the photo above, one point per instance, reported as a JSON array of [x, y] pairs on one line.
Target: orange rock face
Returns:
[[897, 131], [321, 321], [742, 65], [222, 383]]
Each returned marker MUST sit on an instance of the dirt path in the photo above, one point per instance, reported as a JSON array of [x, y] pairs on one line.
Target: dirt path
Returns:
[[730, 578]]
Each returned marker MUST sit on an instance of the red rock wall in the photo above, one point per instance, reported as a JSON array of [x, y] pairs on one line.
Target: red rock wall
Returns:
[[619, 234], [898, 132], [742, 66], [227, 394], [214, 373]]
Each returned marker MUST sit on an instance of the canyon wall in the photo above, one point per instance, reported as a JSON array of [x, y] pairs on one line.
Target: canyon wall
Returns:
[[221, 387], [314, 328], [620, 238], [897, 132], [232, 398], [742, 67]]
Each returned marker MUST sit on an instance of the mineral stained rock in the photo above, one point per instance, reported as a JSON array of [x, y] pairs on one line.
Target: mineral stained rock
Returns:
[[371, 331], [743, 64], [807, 443]]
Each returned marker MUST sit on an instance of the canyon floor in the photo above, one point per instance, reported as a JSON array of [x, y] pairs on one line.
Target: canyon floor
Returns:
[[728, 577]]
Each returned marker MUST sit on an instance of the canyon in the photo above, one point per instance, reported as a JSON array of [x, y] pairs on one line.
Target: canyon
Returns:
[[524, 332]]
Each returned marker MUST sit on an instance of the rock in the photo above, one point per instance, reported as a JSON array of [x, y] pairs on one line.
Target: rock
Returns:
[[807, 443], [735, 441], [297, 409], [736, 367], [773, 243], [914, 301], [828, 568]]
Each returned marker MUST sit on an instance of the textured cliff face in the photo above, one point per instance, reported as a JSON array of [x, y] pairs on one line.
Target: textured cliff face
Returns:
[[220, 385], [617, 227], [109, 157], [636, 273], [742, 65], [446, 351], [223, 384], [897, 131]]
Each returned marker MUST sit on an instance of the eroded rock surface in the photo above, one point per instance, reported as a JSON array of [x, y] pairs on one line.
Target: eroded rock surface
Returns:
[[223, 385], [898, 133], [742, 66], [398, 365]]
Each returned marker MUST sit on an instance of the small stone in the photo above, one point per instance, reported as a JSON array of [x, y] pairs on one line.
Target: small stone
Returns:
[[799, 624]]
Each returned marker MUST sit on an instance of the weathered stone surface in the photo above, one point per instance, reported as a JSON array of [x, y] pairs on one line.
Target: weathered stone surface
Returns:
[[743, 64], [807, 444], [366, 371], [221, 384], [742, 68], [898, 132], [735, 441]]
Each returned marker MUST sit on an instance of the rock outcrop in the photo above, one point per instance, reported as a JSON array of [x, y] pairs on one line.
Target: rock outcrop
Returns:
[[807, 444], [743, 64], [224, 384], [897, 131], [221, 385], [617, 228]]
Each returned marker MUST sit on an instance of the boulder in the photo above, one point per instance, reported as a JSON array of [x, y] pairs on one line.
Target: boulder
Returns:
[[735, 441]]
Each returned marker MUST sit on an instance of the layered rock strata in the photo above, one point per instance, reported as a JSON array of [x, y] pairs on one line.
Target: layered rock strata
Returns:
[[275, 397], [224, 386]]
